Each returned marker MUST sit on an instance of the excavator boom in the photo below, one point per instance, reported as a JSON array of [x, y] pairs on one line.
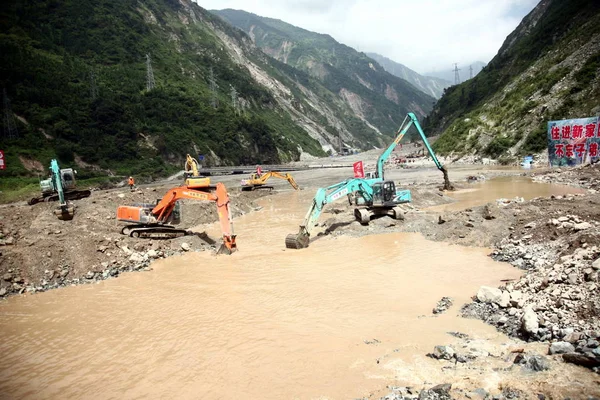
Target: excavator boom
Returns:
[[191, 167], [155, 222], [409, 121], [325, 196]]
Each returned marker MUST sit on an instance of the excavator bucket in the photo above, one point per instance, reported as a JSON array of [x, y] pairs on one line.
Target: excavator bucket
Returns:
[[298, 240], [65, 212], [447, 185], [228, 246]]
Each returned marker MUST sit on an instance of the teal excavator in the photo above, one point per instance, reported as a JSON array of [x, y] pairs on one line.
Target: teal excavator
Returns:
[[60, 186], [373, 196]]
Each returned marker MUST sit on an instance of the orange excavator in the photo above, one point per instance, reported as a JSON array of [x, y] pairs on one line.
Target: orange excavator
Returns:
[[156, 221], [257, 181]]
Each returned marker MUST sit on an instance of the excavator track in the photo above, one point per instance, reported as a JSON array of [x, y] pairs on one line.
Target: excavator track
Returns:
[[72, 195], [154, 232], [251, 188]]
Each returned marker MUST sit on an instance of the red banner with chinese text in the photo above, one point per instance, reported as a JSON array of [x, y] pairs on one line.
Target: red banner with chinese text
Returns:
[[573, 141], [359, 171]]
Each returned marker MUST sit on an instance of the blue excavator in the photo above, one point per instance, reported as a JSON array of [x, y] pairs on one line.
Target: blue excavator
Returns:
[[60, 186], [372, 196]]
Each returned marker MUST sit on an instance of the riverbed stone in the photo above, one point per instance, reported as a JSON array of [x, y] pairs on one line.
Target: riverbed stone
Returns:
[[185, 246], [136, 258], [596, 264], [487, 294], [443, 352], [529, 321], [504, 300], [561, 348], [533, 362], [582, 226]]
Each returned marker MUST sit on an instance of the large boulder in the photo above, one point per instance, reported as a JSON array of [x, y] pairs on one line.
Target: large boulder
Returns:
[[529, 322], [490, 295], [443, 353], [561, 348]]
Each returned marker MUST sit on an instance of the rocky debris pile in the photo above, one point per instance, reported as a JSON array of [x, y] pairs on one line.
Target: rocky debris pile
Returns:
[[532, 362], [504, 202], [584, 176], [120, 258], [445, 392], [439, 392], [444, 304], [448, 353], [556, 303]]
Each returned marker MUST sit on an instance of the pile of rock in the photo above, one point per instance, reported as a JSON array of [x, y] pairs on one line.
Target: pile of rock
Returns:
[[584, 176], [126, 259], [557, 303], [442, 305], [439, 392]]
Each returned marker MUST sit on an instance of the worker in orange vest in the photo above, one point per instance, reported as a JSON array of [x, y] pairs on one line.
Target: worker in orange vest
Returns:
[[131, 182]]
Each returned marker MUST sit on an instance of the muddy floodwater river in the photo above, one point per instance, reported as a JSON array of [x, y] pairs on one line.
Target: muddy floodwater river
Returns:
[[340, 319], [509, 187]]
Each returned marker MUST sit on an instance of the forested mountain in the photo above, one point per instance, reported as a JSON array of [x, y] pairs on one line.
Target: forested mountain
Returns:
[[77, 76], [427, 84], [547, 69], [375, 95]]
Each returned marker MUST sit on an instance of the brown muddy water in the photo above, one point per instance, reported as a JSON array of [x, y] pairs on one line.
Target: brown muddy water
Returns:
[[264, 323], [509, 187]]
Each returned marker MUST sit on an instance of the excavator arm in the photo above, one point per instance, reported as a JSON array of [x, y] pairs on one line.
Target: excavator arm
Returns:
[[286, 177], [65, 211], [323, 197], [409, 121], [438, 164], [255, 182], [191, 166]]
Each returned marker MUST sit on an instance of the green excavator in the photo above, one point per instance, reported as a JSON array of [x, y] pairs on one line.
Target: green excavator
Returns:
[[60, 186], [373, 196]]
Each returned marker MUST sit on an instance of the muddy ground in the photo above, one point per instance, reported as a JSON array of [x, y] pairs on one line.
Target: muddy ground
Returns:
[[40, 252], [555, 239]]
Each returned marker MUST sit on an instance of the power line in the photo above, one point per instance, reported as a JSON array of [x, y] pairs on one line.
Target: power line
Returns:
[[456, 75], [149, 74], [10, 127]]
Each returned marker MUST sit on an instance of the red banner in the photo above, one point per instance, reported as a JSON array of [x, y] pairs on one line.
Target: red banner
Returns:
[[2, 163], [359, 172]]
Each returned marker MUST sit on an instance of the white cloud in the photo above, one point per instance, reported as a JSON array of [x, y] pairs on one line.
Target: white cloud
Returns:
[[425, 35]]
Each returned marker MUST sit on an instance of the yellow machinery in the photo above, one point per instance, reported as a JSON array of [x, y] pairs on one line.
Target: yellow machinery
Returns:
[[191, 168], [259, 182]]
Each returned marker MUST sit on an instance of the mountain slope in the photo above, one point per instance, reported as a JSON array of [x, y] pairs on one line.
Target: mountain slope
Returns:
[[76, 74], [376, 97], [547, 69], [427, 84]]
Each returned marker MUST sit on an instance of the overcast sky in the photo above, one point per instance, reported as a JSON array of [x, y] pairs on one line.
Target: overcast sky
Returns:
[[424, 35]]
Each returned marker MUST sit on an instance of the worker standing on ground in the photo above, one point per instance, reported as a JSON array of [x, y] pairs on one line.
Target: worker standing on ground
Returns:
[[258, 171], [131, 182]]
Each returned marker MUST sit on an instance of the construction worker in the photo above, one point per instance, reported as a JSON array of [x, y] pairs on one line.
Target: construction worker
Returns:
[[131, 182], [258, 171]]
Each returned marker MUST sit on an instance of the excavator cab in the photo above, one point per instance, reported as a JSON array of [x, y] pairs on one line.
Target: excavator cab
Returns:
[[384, 193]]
